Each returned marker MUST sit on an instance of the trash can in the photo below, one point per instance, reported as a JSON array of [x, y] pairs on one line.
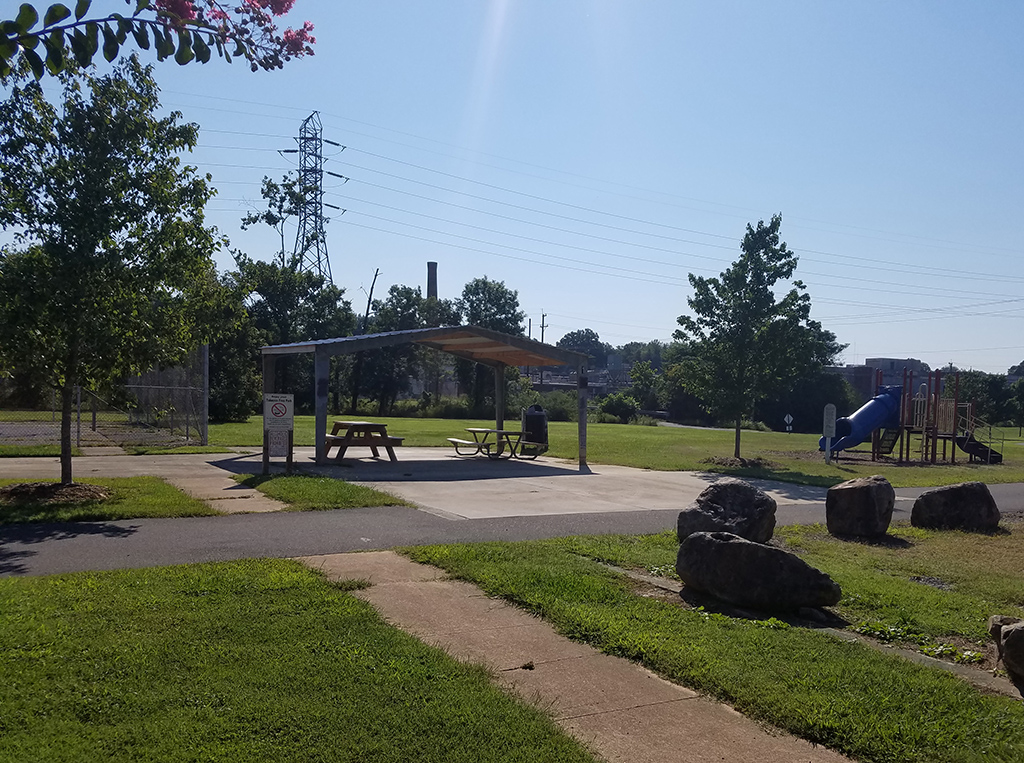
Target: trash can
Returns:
[[535, 432]]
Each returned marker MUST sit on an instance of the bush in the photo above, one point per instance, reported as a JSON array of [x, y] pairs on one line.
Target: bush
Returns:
[[560, 405], [645, 421], [755, 426], [620, 405]]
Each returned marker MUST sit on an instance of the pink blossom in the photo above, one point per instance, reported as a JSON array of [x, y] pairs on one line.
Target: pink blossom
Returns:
[[182, 10], [295, 40]]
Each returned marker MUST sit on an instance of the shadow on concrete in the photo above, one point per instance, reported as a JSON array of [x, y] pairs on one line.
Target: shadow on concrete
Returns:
[[31, 533], [447, 469]]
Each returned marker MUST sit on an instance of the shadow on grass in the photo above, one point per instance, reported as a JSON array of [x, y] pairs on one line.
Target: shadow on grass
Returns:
[[884, 541], [27, 534], [805, 618]]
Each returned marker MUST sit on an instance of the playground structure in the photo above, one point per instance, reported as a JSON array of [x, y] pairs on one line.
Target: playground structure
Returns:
[[917, 422]]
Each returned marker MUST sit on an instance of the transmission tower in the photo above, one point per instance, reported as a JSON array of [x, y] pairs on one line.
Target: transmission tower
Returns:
[[311, 240]]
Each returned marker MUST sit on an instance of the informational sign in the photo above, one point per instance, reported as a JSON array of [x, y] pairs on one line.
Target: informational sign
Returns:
[[278, 412], [789, 422], [828, 427], [277, 443]]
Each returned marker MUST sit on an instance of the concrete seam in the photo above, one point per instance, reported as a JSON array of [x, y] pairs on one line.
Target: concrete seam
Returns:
[[624, 709]]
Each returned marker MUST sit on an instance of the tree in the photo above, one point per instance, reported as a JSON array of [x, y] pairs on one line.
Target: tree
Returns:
[[588, 342], [644, 385], [283, 202], [388, 370], [746, 344], [490, 305], [114, 267], [286, 306], [185, 29]]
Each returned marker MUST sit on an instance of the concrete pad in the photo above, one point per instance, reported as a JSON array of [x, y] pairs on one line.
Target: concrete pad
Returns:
[[377, 567], [621, 710], [693, 731], [596, 683], [102, 450]]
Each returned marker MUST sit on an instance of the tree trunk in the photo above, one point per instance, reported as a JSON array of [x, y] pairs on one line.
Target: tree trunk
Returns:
[[67, 397], [736, 452], [356, 372]]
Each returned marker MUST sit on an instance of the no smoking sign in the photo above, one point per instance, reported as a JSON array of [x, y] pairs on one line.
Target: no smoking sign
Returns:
[[278, 412]]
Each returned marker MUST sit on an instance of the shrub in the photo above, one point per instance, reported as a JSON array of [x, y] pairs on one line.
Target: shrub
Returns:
[[620, 405]]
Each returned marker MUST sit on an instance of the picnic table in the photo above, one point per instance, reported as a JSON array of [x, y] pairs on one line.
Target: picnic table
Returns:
[[507, 443], [361, 434]]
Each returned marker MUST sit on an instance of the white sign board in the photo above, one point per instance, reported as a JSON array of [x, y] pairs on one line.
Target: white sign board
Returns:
[[789, 418], [828, 427], [278, 412], [278, 443]]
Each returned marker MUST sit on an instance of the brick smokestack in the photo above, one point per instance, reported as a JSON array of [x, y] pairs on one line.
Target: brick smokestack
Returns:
[[431, 280]]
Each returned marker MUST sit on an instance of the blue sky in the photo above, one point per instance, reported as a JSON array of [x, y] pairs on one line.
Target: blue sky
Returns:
[[592, 154]]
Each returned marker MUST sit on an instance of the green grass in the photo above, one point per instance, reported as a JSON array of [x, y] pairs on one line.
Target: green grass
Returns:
[[848, 696], [303, 493], [245, 661], [179, 450], [794, 457], [131, 498]]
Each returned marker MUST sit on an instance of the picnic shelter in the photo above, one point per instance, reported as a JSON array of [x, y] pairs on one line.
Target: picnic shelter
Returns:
[[489, 348]]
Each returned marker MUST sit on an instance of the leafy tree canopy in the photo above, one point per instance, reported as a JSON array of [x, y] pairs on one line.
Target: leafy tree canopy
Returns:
[[746, 343], [492, 305], [188, 30], [586, 341], [114, 267]]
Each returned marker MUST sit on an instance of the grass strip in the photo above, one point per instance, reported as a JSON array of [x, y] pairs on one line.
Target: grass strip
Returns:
[[179, 450], [304, 493], [130, 498], [788, 457], [253, 660], [846, 696]]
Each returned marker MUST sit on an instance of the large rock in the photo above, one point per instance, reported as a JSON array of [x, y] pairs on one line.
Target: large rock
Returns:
[[861, 507], [731, 506], [750, 574], [967, 506], [1008, 633]]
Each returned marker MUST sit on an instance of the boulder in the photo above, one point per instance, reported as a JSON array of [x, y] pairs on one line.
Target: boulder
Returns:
[[731, 506], [1008, 633], [861, 507], [755, 575], [967, 506]]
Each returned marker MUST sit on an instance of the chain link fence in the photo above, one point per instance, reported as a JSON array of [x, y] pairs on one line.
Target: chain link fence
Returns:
[[162, 408]]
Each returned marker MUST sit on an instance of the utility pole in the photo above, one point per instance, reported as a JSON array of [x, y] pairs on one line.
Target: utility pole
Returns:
[[543, 325], [356, 372]]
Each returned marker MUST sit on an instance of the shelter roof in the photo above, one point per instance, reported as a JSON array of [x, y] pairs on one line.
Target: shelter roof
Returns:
[[471, 342]]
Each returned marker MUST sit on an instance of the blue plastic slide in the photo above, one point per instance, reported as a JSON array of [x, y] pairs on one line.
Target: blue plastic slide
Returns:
[[883, 410]]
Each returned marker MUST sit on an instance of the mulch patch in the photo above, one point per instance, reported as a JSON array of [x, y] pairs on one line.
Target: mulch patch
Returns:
[[52, 493], [741, 463]]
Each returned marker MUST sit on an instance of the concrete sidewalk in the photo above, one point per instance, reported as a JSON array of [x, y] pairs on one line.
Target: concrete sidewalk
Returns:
[[620, 710]]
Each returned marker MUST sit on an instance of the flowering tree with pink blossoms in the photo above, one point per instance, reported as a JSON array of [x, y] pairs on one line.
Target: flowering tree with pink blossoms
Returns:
[[187, 30]]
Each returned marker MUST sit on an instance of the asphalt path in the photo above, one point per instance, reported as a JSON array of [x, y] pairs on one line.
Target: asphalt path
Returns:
[[40, 549]]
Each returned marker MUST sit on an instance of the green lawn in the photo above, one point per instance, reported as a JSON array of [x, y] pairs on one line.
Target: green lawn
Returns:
[[245, 661], [790, 457], [303, 493], [131, 498], [848, 696]]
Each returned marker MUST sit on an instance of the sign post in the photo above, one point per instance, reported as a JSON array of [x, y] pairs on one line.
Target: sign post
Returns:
[[789, 422], [828, 430], [278, 429]]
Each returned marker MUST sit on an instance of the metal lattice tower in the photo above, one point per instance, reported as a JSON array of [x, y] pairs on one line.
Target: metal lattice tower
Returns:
[[311, 240]]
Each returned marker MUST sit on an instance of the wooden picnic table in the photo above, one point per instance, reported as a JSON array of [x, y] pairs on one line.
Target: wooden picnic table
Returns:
[[506, 443], [361, 434]]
